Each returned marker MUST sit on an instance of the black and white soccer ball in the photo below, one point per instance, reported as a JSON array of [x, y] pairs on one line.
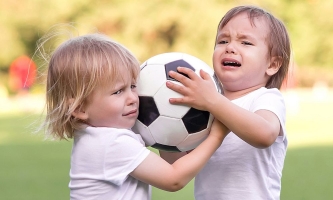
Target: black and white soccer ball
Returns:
[[164, 126]]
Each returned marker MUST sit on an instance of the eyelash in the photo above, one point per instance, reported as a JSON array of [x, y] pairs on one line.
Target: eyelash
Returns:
[[243, 42], [222, 42], [247, 43], [119, 91]]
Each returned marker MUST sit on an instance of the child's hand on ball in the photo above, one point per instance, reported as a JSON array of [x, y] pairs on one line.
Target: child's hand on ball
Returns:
[[197, 91]]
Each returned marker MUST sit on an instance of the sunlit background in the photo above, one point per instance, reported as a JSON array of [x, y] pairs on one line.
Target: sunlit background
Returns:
[[32, 168]]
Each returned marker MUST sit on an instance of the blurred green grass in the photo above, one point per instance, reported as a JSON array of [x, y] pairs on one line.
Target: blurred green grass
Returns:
[[32, 168], [34, 171]]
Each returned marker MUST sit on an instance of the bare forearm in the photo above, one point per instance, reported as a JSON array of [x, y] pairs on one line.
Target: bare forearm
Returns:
[[195, 160], [259, 129], [249, 126], [171, 157], [174, 177]]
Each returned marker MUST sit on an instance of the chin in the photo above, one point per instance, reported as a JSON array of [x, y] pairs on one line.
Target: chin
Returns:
[[129, 126]]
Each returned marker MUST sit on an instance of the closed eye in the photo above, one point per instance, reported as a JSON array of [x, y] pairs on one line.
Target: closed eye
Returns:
[[247, 43], [223, 42]]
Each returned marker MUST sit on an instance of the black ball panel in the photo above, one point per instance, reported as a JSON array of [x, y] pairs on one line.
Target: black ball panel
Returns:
[[196, 120], [148, 111], [172, 66], [165, 147]]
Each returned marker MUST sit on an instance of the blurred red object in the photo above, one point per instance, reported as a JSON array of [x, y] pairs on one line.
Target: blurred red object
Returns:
[[22, 73]]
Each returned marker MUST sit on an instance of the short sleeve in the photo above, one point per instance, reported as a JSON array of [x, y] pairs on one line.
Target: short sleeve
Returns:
[[125, 153], [273, 101]]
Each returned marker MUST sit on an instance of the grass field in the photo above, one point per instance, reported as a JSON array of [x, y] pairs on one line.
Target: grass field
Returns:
[[34, 169]]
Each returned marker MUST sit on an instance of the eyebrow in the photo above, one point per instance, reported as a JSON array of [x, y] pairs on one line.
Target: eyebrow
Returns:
[[223, 34], [245, 36], [239, 36]]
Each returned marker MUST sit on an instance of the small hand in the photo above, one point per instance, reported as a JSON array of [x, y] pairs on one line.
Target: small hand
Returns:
[[197, 91]]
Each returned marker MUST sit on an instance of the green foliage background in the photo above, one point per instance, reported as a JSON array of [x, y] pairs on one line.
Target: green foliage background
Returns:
[[155, 26]]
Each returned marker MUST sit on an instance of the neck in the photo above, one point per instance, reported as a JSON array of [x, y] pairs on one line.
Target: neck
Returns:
[[235, 94]]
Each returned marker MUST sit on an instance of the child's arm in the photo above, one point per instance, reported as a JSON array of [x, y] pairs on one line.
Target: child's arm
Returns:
[[260, 129], [172, 177], [171, 157]]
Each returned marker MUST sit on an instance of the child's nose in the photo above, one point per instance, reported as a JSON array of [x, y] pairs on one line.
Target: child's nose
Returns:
[[133, 97], [230, 48]]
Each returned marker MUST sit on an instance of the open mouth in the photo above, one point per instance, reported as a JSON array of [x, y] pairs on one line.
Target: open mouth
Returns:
[[231, 63]]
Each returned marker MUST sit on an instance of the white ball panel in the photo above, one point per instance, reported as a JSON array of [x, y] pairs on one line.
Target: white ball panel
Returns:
[[164, 58], [151, 78], [165, 107], [169, 131], [210, 121], [144, 132], [193, 140]]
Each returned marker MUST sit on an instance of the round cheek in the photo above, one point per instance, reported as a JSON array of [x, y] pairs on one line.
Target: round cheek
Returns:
[[216, 60], [214, 55], [136, 97]]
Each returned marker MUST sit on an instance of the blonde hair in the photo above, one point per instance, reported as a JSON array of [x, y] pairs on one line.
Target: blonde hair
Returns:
[[278, 39], [75, 69]]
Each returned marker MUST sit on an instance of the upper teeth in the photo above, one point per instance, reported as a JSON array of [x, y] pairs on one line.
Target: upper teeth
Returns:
[[231, 63]]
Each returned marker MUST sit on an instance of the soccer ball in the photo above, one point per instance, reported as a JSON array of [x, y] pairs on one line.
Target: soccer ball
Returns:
[[164, 126]]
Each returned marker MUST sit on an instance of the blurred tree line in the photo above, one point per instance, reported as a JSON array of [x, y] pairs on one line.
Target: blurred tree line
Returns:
[[151, 27]]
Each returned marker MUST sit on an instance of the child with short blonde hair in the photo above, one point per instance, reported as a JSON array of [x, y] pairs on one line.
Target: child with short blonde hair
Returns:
[[92, 97]]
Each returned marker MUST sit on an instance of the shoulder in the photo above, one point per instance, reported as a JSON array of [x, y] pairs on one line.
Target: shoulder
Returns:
[[273, 101], [105, 135], [260, 97], [271, 93], [270, 99]]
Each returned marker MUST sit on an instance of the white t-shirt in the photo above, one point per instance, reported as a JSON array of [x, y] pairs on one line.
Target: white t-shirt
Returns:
[[102, 159], [238, 170]]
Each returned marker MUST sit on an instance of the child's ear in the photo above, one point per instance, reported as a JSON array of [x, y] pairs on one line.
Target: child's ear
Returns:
[[276, 63], [79, 112]]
